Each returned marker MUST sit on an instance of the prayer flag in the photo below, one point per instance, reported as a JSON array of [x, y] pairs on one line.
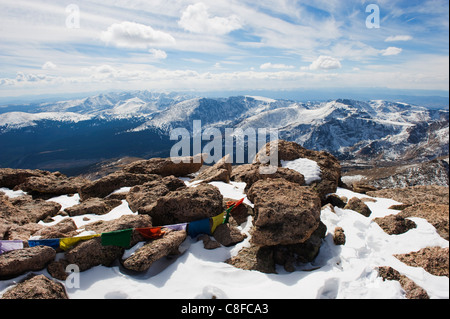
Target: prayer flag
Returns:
[[67, 243], [199, 227], [8, 245], [151, 232], [218, 220], [54, 243], [177, 227], [120, 238]]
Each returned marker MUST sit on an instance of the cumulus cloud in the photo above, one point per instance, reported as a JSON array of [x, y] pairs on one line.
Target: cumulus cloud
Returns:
[[196, 19], [325, 63], [391, 51], [267, 66], [135, 36], [158, 54], [49, 66], [399, 38]]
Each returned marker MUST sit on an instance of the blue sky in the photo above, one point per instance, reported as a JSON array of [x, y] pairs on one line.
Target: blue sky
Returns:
[[176, 45]]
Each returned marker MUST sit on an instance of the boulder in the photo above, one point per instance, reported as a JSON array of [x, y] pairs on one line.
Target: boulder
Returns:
[[285, 213], [179, 167], [395, 224], [108, 184], [17, 262], [24, 209], [185, 205], [91, 253], [339, 236], [250, 173], [22, 232], [10, 178], [65, 228], [359, 206], [52, 185], [228, 235], [329, 165], [37, 287], [254, 258], [96, 206], [144, 257], [413, 291], [148, 193], [220, 172]]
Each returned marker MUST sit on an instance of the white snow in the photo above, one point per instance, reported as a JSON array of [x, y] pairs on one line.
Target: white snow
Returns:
[[341, 272], [308, 168]]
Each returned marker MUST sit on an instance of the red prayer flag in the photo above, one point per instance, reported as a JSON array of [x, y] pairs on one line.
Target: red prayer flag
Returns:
[[151, 232]]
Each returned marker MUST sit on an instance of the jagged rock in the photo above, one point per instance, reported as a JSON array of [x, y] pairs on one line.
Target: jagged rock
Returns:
[[395, 224], [209, 243], [37, 287], [17, 262], [436, 214], [359, 206], [434, 260], [22, 232], [10, 178], [96, 206], [339, 236], [166, 166], [65, 228], [228, 235], [24, 209], [363, 188], [144, 257], [108, 184], [306, 252], [221, 171], [285, 213], [240, 214], [148, 193], [91, 253], [251, 173], [329, 165], [254, 258], [335, 201], [413, 291], [52, 185], [185, 205]]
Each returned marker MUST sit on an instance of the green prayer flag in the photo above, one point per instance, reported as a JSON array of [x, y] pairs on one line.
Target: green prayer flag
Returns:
[[120, 238]]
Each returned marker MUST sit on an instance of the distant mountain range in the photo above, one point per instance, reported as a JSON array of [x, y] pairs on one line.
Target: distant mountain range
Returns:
[[71, 135]]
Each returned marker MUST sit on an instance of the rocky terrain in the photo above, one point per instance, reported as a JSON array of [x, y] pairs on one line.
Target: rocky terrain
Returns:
[[286, 214]]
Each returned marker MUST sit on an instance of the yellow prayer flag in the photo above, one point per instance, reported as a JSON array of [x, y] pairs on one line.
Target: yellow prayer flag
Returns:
[[67, 243], [218, 220]]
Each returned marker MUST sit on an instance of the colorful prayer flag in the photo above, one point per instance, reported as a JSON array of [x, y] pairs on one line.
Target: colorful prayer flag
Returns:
[[177, 227], [9, 245], [54, 243], [218, 220], [120, 238], [199, 227], [151, 232], [67, 243]]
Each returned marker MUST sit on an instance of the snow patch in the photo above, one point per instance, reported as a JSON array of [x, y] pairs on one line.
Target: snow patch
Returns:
[[308, 168]]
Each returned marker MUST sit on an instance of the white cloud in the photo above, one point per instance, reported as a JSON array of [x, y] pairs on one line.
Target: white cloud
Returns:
[[135, 36], [158, 54], [267, 66], [325, 63], [49, 66], [197, 19], [391, 51], [399, 38]]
